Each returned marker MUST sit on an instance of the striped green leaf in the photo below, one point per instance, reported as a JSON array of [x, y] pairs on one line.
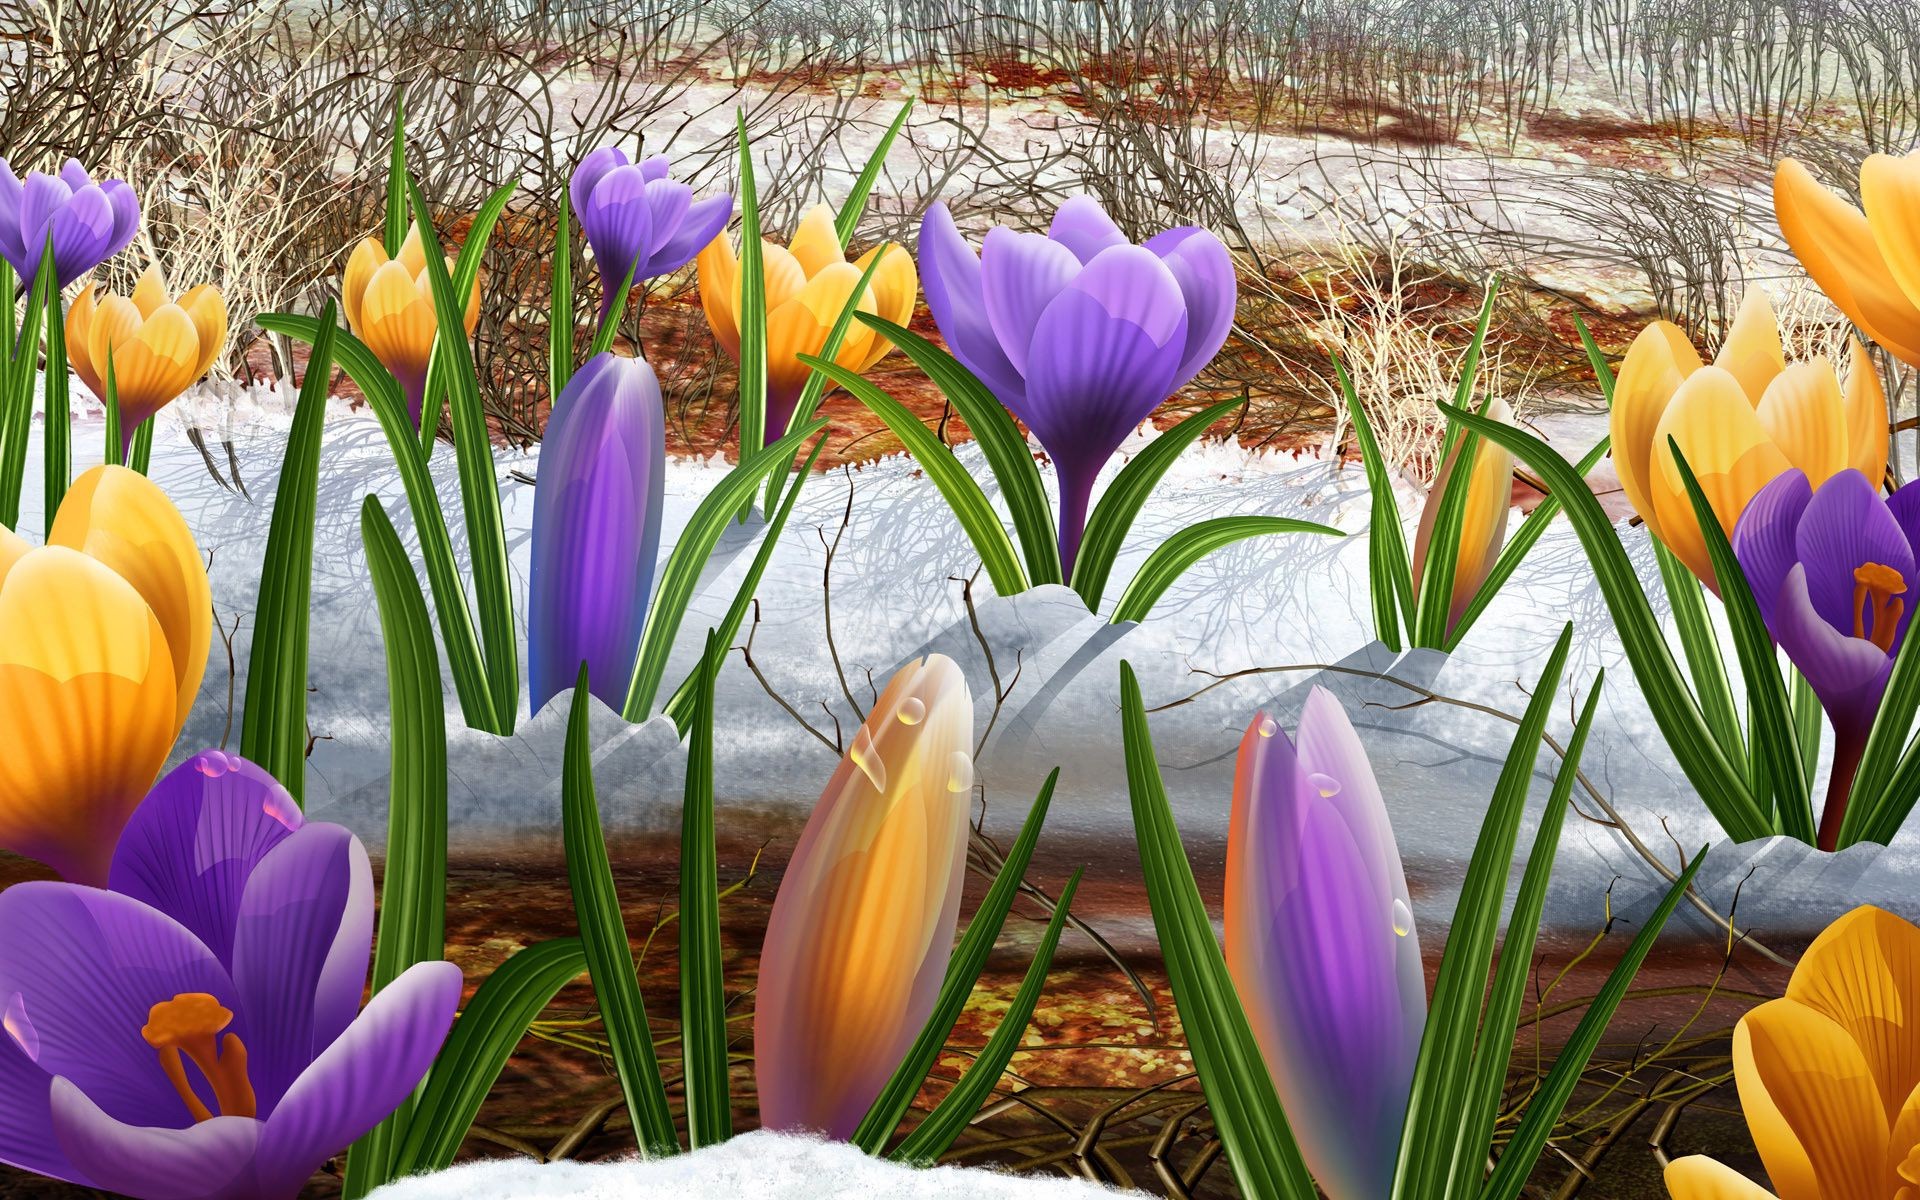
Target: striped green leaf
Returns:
[[1888, 780], [466, 271], [703, 996], [1389, 575], [560, 304], [1172, 558], [609, 328], [855, 207], [394, 232], [16, 407], [57, 433], [752, 317]]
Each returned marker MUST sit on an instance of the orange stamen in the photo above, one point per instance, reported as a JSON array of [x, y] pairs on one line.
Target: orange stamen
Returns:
[[1877, 606], [188, 1027]]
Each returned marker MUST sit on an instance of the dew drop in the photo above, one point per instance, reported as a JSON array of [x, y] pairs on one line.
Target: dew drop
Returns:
[[213, 764], [913, 710], [280, 805], [959, 772], [1266, 725], [1402, 917], [19, 1028], [866, 756], [1326, 785]]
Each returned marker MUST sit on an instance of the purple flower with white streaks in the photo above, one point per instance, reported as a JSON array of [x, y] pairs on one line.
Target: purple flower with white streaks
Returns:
[[634, 216], [89, 222], [1080, 333], [194, 1031], [596, 530], [1321, 944]]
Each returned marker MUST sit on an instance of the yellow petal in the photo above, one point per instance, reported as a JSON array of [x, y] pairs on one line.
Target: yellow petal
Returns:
[[398, 322], [151, 292], [1731, 455], [816, 243], [784, 275], [893, 289], [1752, 350], [1803, 415], [717, 272], [1656, 364], [1890, 194], [1810, 1104], [87, 697], [471, 316], [208, 310], [1834, 242], [1483, 521], [79, 330], [12, 548], [1863, 973], [1866, 415], [1903, 1151], [125, 521], [369, 256], [156, 364], [114, 321], [1698, 1177], [413, 255]]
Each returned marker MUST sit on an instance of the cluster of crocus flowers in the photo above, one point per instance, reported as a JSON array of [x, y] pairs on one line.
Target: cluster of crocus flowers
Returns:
[[389, 303], [596, 530], [1079, 333], [1829, 1074], [1867, 262], [1832, 570], [103, 640], [863, 925], [1321, 943], [88, 221], [1483, 523], [639, 223], [808, 282], [194, 1028], [157, 345], [1741, 421]]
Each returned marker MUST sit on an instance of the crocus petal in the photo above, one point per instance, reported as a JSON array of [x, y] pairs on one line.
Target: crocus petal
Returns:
[[155, 365], [1483, 526], [588, 174], [1845, 525], [950, 270], [41, 199], [10, 188], [891, 291], [1863, 974], [398, 325], [655, 167], [619, 225], [667, 205], [195, 840], [596, 530], [1766, 538], [149, 292], [816, 242], [1865, 404], [1656, 364], [1697, 1177], [700, 225], [361, 1078], [1208, 285], [801, 326], [367, 257], [83, 234], [1084, 227], [1835, 243], [1751, 351], [1803, 412], [26, 1120], [1804, 1068], [1890, 196], [155, 1163], [863, 924], [126, 215], [1904, 504], [1731, 456], [1020, 276], [79, 329], [1849, 674]]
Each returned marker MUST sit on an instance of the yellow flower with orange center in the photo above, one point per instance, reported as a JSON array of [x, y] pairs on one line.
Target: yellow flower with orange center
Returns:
[[389, 303], [158, 344], [1868, 263]]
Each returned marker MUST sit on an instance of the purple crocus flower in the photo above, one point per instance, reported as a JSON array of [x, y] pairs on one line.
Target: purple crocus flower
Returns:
[[90, 222], [1080, 333], [1832, 570], [596, 530], [635, 216], [194, 1030], [1321, 944]]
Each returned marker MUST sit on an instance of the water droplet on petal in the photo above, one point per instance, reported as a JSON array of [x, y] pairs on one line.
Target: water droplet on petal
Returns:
[[281, 806], [913, 710], [1326, 785], [866, 756], [213, 764], [19, 1028], [1266, 725], [960, 772], [1402, 917]]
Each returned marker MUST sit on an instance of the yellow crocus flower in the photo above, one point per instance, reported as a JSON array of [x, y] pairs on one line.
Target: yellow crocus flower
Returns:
[[389, 303], [807, 284], [103, 641], [159, 344], [1868, 263], [1740, 421], [1483, 524], [1829, 1075]]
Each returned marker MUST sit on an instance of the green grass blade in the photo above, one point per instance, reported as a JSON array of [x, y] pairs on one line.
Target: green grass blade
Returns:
[[560, 305], [963, 495], [116, 453], [1807, 719], [466, 271], [703, 997], [1700, 647], [273, 729], [57, 441], [816, 385], [16, 407], [395, 230], [1114, 515], [482, 1040], [1246, 1110], [1720, 782], [1434, 603], [1597, 359], [1172, 558], [1530, 1139], [1000, 440], [963, 972], [1389, 575], [603, 931], [142, 456], [930, 1139], [682, 572], [848, 219], [413, 886], [1873, 800], [753, 304], [604, 334], [1442, 1074]]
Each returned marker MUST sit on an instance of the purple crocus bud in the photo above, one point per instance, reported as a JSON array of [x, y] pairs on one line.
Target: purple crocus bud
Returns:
[[1832, 571], [634, 216], [196, 1030], [89, 222], [596, 530], [1321, 944], [1080, 333]]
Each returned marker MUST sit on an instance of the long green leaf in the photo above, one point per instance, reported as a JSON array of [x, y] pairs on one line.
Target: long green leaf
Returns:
[[482, 1040], [931, 1137], [16, 407], [560, 305], [1246, 1110], [752, 316], [273, 730], [141, 457], [816, 385], [1389, 576], [466, 272], [57, 436], [1700, 647], [116, 448], [963, 495], [1172, 558], [609, 327], [1434, 603], [1874, 805], [395, 231], [603, 931], [855, 207], [703, 997], [963, 972]]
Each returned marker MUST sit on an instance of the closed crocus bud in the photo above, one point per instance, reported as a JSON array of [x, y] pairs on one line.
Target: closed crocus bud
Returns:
[[389, 303], [1321, 944], [807, 284], [863, 925], [158, 345], [596, 530], [103, 641], [1483, 523], [636, 219], [1868, 263], [1741, 422], [89, 222]]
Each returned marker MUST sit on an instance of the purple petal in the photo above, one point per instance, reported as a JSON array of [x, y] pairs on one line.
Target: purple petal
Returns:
[[26, 1121], [700, 225], [362, 1077], [619, 224], [1764, 539], [596, 530], [950, 273], [83, 232], [210, 1159], [1205, 273], [41, 198], [1849, 674], [1083, 227], [300, 951], [1904, 504], [1845, 526], [126, 215], [74, 175], [656, 167], [10, 244], [1020, 275], [588, 174], [88, 966], [1131, 283], [190, 846], [667, 205]]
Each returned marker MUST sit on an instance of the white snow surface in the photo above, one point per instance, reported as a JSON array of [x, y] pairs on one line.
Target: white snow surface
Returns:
[[753, 1166]]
